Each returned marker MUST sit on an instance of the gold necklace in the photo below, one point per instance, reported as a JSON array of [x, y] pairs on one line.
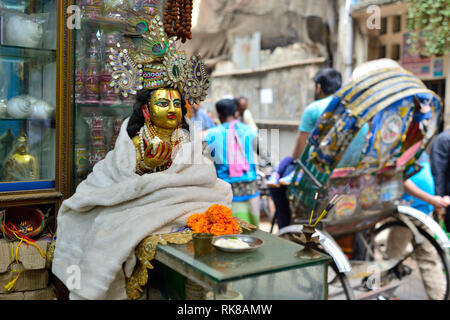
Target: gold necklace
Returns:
[[172, 140]]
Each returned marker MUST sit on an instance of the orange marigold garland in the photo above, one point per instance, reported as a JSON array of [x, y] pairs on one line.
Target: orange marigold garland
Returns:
[[217, 220]]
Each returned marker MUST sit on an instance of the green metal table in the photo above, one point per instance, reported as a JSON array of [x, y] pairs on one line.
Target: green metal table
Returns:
[[271, 272]]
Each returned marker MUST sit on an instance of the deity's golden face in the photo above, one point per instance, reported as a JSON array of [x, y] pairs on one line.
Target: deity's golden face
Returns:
[[165, 108]]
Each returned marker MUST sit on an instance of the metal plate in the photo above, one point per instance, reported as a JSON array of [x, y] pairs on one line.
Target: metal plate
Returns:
[[254, 242]]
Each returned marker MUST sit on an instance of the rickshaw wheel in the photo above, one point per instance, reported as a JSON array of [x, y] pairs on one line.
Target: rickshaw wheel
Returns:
[[341, 277], [377, 243]]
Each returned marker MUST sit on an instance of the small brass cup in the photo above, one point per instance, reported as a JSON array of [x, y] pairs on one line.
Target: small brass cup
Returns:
[[202, 243]]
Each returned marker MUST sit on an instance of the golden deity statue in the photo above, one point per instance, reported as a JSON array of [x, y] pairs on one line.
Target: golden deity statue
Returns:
[[20, 165]]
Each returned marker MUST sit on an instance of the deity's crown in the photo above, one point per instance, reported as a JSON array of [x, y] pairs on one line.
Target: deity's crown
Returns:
[[149, 60]]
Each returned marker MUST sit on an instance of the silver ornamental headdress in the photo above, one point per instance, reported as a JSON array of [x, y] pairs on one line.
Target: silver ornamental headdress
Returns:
[[150, 61]]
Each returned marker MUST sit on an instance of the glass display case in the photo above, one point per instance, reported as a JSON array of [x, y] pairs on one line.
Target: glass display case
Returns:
[[97, 109], [29, 97]]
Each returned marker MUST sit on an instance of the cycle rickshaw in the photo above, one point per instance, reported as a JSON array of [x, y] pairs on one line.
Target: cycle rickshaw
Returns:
[[401, 116]]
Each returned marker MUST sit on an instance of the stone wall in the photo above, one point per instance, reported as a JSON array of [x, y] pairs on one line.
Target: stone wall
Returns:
[[292, 87], [280, 23]]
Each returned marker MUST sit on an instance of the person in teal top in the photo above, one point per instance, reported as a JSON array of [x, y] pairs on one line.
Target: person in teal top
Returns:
[[217, 142], [420, 190], [327, 81], [312, 113], [420, 195], [237, 168]]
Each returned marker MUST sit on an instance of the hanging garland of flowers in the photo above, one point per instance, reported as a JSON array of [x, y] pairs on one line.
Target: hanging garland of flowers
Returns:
[[429, 20]]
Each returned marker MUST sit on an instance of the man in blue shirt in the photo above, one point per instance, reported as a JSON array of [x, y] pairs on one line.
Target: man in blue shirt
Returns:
[[327, 82]]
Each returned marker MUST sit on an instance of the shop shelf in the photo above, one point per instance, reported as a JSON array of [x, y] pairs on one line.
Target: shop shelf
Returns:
[[24, 54], [103, 105]]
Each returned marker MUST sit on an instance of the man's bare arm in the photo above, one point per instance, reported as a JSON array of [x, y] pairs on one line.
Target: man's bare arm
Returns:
[[415, 191], [300, 144]]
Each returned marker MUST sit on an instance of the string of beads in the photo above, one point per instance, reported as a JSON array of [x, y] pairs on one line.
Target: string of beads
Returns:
[[178, 19]]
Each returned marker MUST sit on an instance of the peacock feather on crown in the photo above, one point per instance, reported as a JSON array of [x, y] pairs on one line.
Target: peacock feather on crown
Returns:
[[149, 59]]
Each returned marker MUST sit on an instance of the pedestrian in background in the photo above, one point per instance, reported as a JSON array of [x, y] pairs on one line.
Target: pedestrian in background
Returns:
[[440, 167], [420, 195], [201, 119], [244, 114], [231, 145], [420, 189], [213, 118], [327, 81]]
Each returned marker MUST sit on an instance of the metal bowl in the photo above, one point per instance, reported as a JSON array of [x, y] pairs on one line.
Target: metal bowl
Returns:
[[254, 242]]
